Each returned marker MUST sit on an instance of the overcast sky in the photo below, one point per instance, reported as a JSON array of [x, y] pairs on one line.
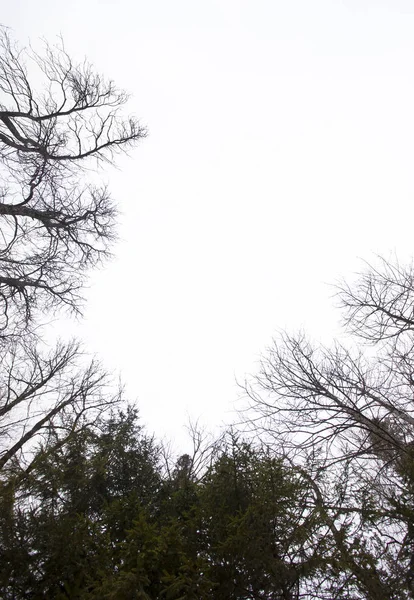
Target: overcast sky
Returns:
[[281, 150]]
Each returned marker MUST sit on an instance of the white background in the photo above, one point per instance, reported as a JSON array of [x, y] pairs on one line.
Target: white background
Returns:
[[280, 150]]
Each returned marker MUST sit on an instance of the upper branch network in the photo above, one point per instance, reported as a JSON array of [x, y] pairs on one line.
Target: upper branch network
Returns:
[[54, 225]]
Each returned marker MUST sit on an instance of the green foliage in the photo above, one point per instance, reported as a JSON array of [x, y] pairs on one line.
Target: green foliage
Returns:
[[95, 518], [72, 509], [255, 525]]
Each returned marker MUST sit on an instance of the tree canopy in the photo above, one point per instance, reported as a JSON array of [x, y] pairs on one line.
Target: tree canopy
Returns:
[[345, 414], [99, 517], [57, 118], [318, 503]]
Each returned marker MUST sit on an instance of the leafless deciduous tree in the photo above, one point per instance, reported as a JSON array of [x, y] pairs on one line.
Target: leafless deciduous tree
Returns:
[[56, 116], [349, 411], [47, 394]]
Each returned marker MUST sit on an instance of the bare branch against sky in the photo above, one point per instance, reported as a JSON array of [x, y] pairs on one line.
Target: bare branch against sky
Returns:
[[280, 152]]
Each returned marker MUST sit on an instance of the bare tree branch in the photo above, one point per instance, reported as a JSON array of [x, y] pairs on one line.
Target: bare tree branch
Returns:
[[53, 225], [350, 413], [38, 388]]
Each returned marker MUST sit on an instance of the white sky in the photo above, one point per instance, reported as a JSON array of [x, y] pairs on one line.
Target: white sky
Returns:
[[281, 149]]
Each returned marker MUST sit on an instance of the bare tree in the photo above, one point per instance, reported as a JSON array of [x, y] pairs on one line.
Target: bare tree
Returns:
[[45, 394], [56, 116], [379, 307], [350, 413]]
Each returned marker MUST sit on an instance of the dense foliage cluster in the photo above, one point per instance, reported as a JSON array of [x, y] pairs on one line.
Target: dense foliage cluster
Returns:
[[100, 518], [319, 505]]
